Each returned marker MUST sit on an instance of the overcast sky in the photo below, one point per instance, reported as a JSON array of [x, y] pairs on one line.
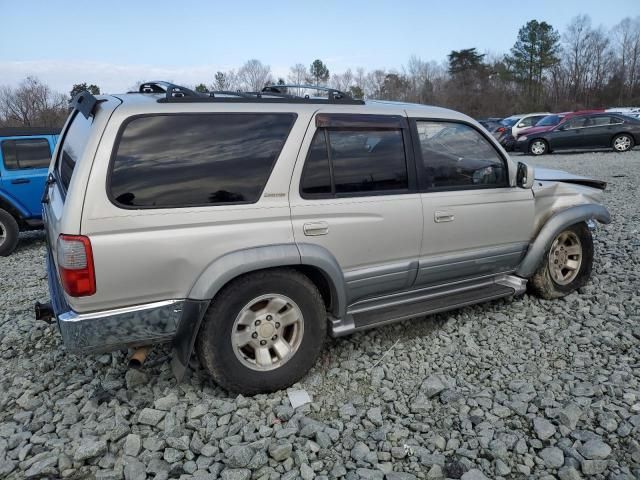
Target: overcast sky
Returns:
[[114, 44]]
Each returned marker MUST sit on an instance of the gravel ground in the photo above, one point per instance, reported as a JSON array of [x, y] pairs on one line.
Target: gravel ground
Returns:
[[518, 388]]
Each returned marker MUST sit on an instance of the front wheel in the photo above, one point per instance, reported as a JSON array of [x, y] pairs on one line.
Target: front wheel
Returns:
[[263, 331], [622, 142], [567, 264], [9, 233], [538, 147]]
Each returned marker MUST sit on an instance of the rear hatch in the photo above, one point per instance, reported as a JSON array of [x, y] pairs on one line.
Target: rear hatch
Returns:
[[65, 189]]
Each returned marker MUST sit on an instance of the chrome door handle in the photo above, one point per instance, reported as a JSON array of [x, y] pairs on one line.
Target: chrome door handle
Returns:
[[441, 217], [315, 228]]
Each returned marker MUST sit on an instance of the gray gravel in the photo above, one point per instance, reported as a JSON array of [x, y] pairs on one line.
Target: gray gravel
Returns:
[[518, 388]]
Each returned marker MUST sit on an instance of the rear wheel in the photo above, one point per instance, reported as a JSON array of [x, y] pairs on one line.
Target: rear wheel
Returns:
[[566, 265], [622, 142], [538, 147], [9, 233], [263, 331]]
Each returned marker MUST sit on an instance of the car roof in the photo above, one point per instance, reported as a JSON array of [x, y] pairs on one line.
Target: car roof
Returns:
[[140, 103]]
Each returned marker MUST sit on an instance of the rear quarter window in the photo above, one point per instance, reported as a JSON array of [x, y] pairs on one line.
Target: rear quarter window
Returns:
[[74, 142], [165, 161]]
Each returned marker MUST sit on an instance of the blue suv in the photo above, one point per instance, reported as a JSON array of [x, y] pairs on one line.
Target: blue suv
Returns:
[[25, 154]]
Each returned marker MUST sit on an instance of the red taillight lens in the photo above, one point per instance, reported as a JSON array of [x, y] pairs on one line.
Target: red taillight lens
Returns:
[[75, 265], [501, 129]]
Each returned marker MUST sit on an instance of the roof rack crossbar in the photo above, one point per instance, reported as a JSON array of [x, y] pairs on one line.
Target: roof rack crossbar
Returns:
[[169, 89], [333, 94], [269, 94]]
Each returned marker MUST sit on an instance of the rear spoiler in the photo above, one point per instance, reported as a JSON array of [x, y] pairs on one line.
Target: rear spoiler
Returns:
[[85, 103]]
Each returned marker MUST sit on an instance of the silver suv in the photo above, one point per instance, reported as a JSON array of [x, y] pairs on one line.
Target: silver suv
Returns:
[[247, 226]]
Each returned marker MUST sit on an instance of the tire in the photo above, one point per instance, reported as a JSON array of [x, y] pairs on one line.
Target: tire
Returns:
[[546, 283], [231, 320], [622, 143], [538, 147], [9, 233]]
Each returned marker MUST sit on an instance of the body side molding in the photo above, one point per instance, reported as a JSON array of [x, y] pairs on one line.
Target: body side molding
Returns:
[[553, 226]]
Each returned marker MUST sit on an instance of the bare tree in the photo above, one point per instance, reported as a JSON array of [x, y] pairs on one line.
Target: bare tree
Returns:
[[225, 81], [31, 104], [342, 81], [254, 76]]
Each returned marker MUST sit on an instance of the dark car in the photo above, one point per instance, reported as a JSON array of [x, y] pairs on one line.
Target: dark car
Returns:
[[600, 130], [490, 124]]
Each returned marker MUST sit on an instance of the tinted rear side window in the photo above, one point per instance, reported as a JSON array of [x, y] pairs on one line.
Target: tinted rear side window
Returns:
[[193, 160], [73, 145], [26, 153], [356, 162]]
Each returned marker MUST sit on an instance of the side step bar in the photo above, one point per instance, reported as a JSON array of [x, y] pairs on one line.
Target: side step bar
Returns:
[[393, 308]]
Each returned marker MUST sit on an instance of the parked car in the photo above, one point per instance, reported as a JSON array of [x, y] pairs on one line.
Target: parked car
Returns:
[[551, 121], [490, 124], [25, 155], [251, 225], [599, 130], [526, 121], [504, 133]]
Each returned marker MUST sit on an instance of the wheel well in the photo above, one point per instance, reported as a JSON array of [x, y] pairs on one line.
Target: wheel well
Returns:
[[320, 281], [312, 273], [4, 205]]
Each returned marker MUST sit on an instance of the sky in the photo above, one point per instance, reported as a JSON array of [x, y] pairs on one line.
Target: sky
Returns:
[[118, 43]]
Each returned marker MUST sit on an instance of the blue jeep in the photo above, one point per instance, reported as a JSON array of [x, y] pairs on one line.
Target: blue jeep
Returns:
[[25, 154]]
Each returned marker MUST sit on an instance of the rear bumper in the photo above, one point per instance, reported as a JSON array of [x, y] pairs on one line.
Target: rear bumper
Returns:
[[109, 330]]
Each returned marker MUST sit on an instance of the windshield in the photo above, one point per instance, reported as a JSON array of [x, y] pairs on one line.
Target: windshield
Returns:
[[549, 120]]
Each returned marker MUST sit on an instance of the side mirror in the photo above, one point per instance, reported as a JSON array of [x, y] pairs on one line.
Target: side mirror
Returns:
[[520, 125], [525, 175]]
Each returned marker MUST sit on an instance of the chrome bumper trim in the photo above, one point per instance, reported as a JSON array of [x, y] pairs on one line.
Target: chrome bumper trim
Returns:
[[108, 330]]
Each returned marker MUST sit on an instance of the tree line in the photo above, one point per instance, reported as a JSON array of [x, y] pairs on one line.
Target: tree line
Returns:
[[586, 66]]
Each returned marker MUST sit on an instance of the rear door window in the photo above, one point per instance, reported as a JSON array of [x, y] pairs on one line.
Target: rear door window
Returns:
[[28, 153], [575, 122], [355, 162], [164, 161]]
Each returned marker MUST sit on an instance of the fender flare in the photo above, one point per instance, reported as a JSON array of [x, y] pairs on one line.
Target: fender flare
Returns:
[[554, 225], [229, 266], [14, 205]]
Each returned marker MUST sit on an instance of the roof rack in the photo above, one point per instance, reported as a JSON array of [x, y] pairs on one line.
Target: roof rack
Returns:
[[269, 94]]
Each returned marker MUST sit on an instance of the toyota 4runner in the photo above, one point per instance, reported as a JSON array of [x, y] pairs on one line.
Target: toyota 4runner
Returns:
[[247, 226]]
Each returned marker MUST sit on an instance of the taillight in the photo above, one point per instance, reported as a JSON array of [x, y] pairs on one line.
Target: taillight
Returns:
[[501, 129], [75, 265]]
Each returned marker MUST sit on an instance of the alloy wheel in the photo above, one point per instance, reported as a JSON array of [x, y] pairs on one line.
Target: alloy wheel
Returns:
[[538, 147], [3, 234], [267, 332], [622, 143], [565, 258]]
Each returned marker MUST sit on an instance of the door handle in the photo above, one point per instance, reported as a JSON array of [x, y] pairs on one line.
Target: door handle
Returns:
[[315, 228], [19, 181], [441, 217]]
